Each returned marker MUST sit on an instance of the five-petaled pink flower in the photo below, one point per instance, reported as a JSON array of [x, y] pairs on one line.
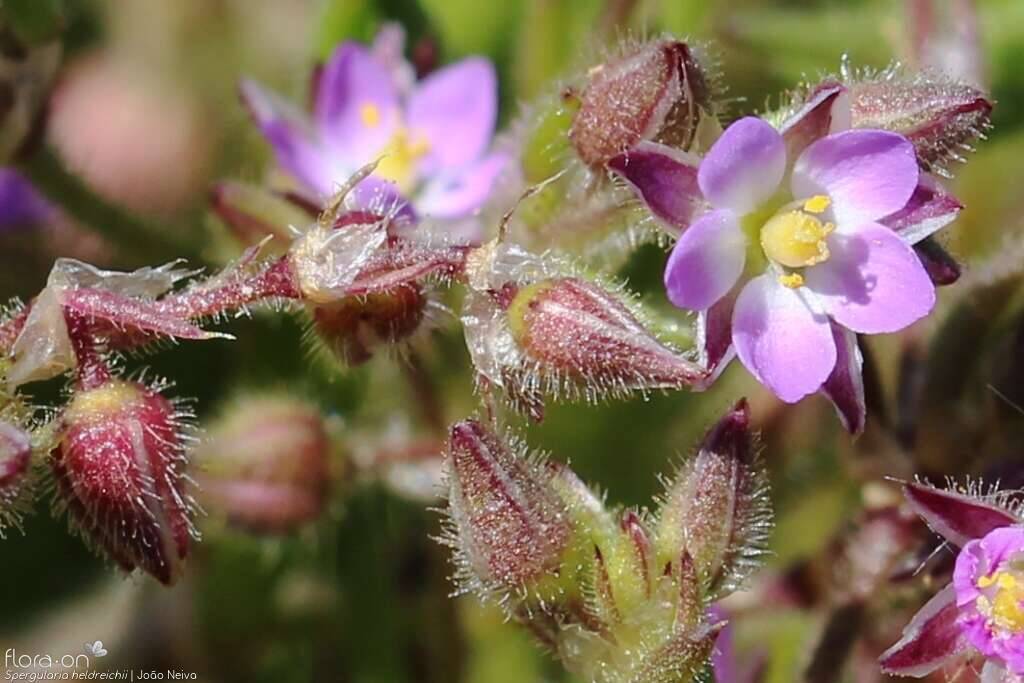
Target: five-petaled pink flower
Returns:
[[981, 612], [806, 232], [433, 137]]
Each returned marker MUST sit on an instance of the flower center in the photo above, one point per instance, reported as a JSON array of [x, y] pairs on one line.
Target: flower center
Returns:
[[795, 237], [399, 156], [1003, 605]]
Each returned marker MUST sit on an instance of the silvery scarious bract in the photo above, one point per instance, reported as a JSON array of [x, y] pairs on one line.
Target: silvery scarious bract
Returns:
[[265, 464], [534, 328], [979, 614], [593, 583], [120, 472], [16, 475]]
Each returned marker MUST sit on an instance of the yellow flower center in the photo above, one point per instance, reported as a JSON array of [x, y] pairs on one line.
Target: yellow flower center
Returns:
[[795, 238], [1003, 606], [399, 157]]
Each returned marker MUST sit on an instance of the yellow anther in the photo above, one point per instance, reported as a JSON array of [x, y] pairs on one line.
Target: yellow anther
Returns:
[[398, 159], [1005, 607], [792, 280], [370, 114], [817, 204], [795, 239]]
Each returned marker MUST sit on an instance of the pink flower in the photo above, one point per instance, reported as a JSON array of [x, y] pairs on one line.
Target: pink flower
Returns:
[[432, 137], [808, 230], [981, 612], [740, 210]]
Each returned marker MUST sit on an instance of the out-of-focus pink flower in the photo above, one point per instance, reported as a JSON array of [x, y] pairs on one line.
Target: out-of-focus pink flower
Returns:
[[433, 137]]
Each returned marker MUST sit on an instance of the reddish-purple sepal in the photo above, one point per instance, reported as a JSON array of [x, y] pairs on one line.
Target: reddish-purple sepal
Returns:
[[665, 179], [956, 517], [714, 336], [845, 386], [941, 267], [929, 209], [930, 639], [826, 109]]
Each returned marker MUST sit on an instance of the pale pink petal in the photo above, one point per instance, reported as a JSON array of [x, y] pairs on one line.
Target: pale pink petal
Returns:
[[453, 112], [868, 174], [296, 146], [356, 106], [460, 194], [744, 167], [782, 342], [706, 261], [873, 281]]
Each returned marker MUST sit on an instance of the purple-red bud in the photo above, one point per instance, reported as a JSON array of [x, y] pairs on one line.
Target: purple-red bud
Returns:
[[265, 464], [581, 335], [508, 522], [717, 510], [15, 474], [656, 92], [940, 117], [119, 471]]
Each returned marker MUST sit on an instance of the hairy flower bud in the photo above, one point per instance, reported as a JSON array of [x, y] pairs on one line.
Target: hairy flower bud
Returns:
[[942, 118], [265, 463], [579, 334], [717, 508], [119, 467], [15, 474], [508, 524], [355, 326], [657, 91]]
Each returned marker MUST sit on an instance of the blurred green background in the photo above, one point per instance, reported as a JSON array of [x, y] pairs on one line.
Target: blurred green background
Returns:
[[145, 108]]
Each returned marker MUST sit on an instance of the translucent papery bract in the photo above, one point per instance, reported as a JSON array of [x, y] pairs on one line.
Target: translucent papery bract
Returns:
[[533, 332], [113, 303], [120, 473], [326, 261]]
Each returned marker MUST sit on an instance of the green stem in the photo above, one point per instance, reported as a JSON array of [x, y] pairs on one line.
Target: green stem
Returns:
[[138, 240]]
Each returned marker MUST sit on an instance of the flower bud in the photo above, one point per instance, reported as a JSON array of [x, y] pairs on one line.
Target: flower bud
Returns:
[[354, 327], [508, 524], [942, 118], [656, 92], [717, 508], [265, 464], [582, 339], [119, 467], [15, 474]]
